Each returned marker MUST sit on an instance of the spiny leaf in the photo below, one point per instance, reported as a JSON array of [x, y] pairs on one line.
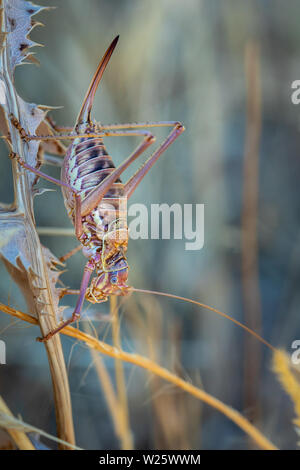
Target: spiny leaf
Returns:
[[15, 248], [13, 241], [31, 118], [19, 23]]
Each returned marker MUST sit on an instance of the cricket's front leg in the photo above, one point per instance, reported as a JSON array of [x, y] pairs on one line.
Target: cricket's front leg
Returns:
[[69, 133], [89, 268], [78, 218]]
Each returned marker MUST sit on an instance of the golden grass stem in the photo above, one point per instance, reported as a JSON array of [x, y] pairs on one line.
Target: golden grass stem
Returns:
[[19, 437], [124, 426], [108, 389], [145, 363], [281, 367]]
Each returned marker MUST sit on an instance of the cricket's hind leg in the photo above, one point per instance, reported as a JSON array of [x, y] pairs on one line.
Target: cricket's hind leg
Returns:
[[135, 180]]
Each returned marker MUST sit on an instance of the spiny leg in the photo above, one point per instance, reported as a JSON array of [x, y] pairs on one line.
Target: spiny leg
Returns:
[[95, 196], [100, 129], [135, 180], [78, 219], [50, 160], [93, 199], [66, 131], [137, 125], [70, 253], [67, 291], [72, 136], [89, 268]]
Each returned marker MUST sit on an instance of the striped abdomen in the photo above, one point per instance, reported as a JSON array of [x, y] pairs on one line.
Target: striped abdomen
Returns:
[[86, 164]]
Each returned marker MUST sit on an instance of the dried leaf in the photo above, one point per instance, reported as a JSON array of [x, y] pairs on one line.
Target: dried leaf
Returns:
[[14, 242]]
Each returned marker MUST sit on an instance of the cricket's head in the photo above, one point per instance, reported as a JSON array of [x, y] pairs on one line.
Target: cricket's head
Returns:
[[108, 283], [84, 116]]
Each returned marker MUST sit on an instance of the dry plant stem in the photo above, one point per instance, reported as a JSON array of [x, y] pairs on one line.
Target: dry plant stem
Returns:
[[39, 296], [61, 392], [109, 393], [19, 437], [108, 389], [149, 365], [56, 231], [124, 426], [250, 284]]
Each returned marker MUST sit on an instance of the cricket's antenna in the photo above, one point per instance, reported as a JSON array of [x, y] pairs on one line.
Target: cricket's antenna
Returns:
[[84, 115]]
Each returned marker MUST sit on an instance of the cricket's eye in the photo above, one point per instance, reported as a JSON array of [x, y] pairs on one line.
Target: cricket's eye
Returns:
[[114, 280]]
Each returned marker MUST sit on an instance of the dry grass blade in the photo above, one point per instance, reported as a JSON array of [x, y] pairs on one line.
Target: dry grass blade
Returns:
[[124, 426], [18, 435], [108, 389], [281, 367], [17, 429], [149, 365]]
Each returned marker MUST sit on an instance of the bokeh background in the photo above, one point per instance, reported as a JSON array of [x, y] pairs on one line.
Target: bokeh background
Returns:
[[224, 69]]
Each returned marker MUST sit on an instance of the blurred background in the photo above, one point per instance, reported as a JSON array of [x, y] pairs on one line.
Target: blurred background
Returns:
[[224, 69]]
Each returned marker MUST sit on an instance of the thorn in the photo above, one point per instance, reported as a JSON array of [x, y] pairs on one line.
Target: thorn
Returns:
[[32, 59], [36, 44], [48, 107], [34, 24]]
